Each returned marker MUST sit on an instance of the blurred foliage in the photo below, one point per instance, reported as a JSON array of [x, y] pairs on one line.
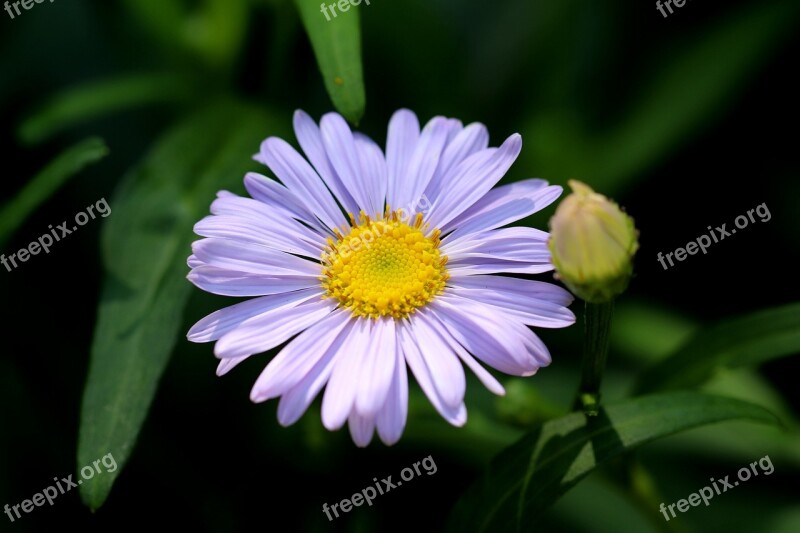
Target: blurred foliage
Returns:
[[46, 183], [528, 476], [144, 254]]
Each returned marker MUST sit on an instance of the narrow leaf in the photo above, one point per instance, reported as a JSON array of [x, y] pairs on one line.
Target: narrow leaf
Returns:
[[92, 100], [747, 340], [48, 181], [145, 246], [337, 46], [698, 81], [530, 475]]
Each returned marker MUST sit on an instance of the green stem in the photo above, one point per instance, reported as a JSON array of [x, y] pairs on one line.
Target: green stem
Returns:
[[597, 332]]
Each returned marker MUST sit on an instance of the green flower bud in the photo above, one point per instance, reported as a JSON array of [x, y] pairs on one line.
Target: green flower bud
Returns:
[[592, 242]]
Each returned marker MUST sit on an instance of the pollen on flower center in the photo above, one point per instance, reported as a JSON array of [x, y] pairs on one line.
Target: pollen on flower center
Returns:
[[384, 267]]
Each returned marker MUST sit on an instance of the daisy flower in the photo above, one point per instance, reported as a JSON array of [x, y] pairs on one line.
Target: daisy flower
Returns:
[[371, 264]]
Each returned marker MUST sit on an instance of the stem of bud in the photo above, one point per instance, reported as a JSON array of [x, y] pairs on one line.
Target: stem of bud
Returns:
[[597, 332]]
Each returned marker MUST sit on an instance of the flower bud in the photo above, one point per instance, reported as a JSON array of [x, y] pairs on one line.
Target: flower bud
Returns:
[[592, 242]]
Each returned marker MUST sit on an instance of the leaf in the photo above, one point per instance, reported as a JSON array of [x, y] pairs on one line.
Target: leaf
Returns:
[[212, 30], [46, 182], [733, 442], [337, 46], [96, 99], [693, 88], [747, 340], [145, 245], [530, 475], [645, 333]]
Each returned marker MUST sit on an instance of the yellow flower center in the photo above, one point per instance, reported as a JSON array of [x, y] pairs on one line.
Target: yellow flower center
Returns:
[[384, 267]]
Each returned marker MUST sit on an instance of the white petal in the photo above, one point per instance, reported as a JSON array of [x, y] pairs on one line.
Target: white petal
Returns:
[[228, 283], [485, 241], [467, 141], [226, 320], [298, 176], [456, 416], [295, 401], [310, 139], [423, 162], [482, 374], [533, 302], [281, 200], [495, 339], [377, 368], [340, 394], [269, 216], [401, 140], [226, 365], [288, 236], [373, 166], [470, 180], [266, 331], [512, 250], [301, 355], [479, 266], [361, 429], [341, 149], [252, 258], [446, 371], [526, 196], [392, 417]]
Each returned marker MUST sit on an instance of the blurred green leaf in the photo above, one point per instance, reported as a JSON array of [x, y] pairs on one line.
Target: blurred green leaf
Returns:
[[217, 31], [646, 332], [747, 340], [603, 507], [45, 183], [159, 17], [213, 30], [145, 245], [529, 476], [96, 99], [337, 46], [735, 442], [523, 405], [697, 82]]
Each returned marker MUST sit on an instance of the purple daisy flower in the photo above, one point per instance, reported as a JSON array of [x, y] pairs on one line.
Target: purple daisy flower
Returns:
[[372, 264]]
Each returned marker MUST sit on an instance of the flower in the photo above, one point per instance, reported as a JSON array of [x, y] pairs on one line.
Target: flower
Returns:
[[369, 264], [593, 243]]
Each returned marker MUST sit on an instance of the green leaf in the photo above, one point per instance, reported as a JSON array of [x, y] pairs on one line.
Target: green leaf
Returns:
[[212, 30], [46, 182], [145, 245], [337, 46], [698, 81], [530, 475], [645, 333], [747, 340], [96, 99], [735, 442]]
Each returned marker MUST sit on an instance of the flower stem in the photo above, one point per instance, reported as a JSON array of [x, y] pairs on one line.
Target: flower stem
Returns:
[[597, 331]]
